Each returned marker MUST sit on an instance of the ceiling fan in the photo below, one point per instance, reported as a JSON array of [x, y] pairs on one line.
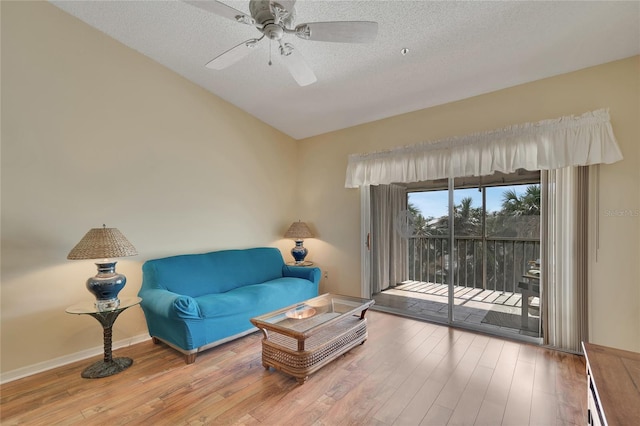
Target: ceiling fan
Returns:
[[274, 19]]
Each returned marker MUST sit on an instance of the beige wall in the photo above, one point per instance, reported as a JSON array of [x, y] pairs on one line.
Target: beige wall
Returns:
[[92, 133], [615, 295]]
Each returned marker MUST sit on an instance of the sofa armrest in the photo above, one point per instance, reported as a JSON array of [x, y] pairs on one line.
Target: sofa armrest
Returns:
[[311, 274], [169, 305]]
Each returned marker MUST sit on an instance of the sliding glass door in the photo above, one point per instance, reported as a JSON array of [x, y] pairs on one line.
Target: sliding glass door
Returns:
[[475, 254]]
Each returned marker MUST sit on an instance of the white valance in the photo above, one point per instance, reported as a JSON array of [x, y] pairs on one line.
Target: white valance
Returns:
[[546, 145]]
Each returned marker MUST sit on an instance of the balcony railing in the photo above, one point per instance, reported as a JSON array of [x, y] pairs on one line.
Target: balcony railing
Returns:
[[488, 263]]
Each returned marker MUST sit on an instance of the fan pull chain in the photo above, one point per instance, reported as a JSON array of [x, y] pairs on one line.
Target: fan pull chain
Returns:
[[270, 43]]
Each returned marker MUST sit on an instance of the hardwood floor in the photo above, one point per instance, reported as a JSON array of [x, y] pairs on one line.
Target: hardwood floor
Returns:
[[407, 373]]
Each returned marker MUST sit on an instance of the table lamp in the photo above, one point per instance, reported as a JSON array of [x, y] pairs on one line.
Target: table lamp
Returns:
[[298, 231], [104, 243]]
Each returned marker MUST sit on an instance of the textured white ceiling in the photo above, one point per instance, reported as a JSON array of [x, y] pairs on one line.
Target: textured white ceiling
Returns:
[[456, 50]]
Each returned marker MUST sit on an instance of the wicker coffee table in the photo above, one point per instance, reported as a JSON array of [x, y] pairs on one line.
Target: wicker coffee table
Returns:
[[300, 339]]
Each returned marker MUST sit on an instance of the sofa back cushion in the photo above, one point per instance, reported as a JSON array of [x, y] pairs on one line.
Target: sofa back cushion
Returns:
[[216, 272]]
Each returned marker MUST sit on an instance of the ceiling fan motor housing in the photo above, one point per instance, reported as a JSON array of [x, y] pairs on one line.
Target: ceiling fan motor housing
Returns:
[[261, 11]]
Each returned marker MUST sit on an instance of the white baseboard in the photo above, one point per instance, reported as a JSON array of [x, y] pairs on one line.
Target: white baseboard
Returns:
[[68, 359]]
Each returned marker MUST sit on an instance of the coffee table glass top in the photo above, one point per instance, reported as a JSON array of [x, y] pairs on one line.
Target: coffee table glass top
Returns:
[[302, 318]]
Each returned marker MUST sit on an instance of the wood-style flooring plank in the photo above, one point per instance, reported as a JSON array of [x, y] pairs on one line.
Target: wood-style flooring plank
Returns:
[[409, 375], [408, 372], [470, 401], [495, 401], [518, 408], [437, 415]]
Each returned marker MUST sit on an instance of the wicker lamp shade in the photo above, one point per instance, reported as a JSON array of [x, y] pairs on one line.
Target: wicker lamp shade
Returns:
[[298, 231], [102, 243]]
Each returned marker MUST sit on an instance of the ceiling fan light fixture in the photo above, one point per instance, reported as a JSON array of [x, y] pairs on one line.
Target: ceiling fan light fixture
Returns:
[[273, 31], [252, 43], [286, 49], [244, 19], [280, 14], [303, 31]]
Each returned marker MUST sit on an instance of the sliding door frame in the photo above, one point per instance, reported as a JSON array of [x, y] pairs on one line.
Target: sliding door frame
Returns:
[[365, 241]]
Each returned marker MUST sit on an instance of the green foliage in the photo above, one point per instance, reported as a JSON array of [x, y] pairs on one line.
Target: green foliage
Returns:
[[467, 218], [526, 205]]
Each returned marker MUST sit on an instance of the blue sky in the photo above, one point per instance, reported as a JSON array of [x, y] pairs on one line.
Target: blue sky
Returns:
[[435, 203]]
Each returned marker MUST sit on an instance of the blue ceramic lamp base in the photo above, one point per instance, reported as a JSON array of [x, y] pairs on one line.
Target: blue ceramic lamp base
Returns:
[[106, 285], [299, 252]]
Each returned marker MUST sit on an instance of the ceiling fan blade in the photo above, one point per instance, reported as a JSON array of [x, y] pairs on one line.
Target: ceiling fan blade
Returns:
[[223, 10], [342, 32], [233, 55], [297, 66]]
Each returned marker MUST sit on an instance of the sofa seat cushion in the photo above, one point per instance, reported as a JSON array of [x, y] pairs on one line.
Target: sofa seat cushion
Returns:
[[254, 299]]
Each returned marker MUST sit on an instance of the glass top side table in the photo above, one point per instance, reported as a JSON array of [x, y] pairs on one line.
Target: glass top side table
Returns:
[[109, 365]]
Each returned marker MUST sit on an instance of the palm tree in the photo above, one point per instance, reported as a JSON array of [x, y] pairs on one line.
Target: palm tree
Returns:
[[424, 247], [467, 219], [419, 221], [520, 214], [526, 205]]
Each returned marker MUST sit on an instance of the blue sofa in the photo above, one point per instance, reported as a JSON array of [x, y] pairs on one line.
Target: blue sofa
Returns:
[[196, 301]]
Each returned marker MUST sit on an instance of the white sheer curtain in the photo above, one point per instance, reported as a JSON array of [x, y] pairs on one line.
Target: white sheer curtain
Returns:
[[545, 145], [388, 249], [564, 257]]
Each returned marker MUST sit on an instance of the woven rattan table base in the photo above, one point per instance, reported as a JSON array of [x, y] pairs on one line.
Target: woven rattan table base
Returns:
[[281, 352]]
